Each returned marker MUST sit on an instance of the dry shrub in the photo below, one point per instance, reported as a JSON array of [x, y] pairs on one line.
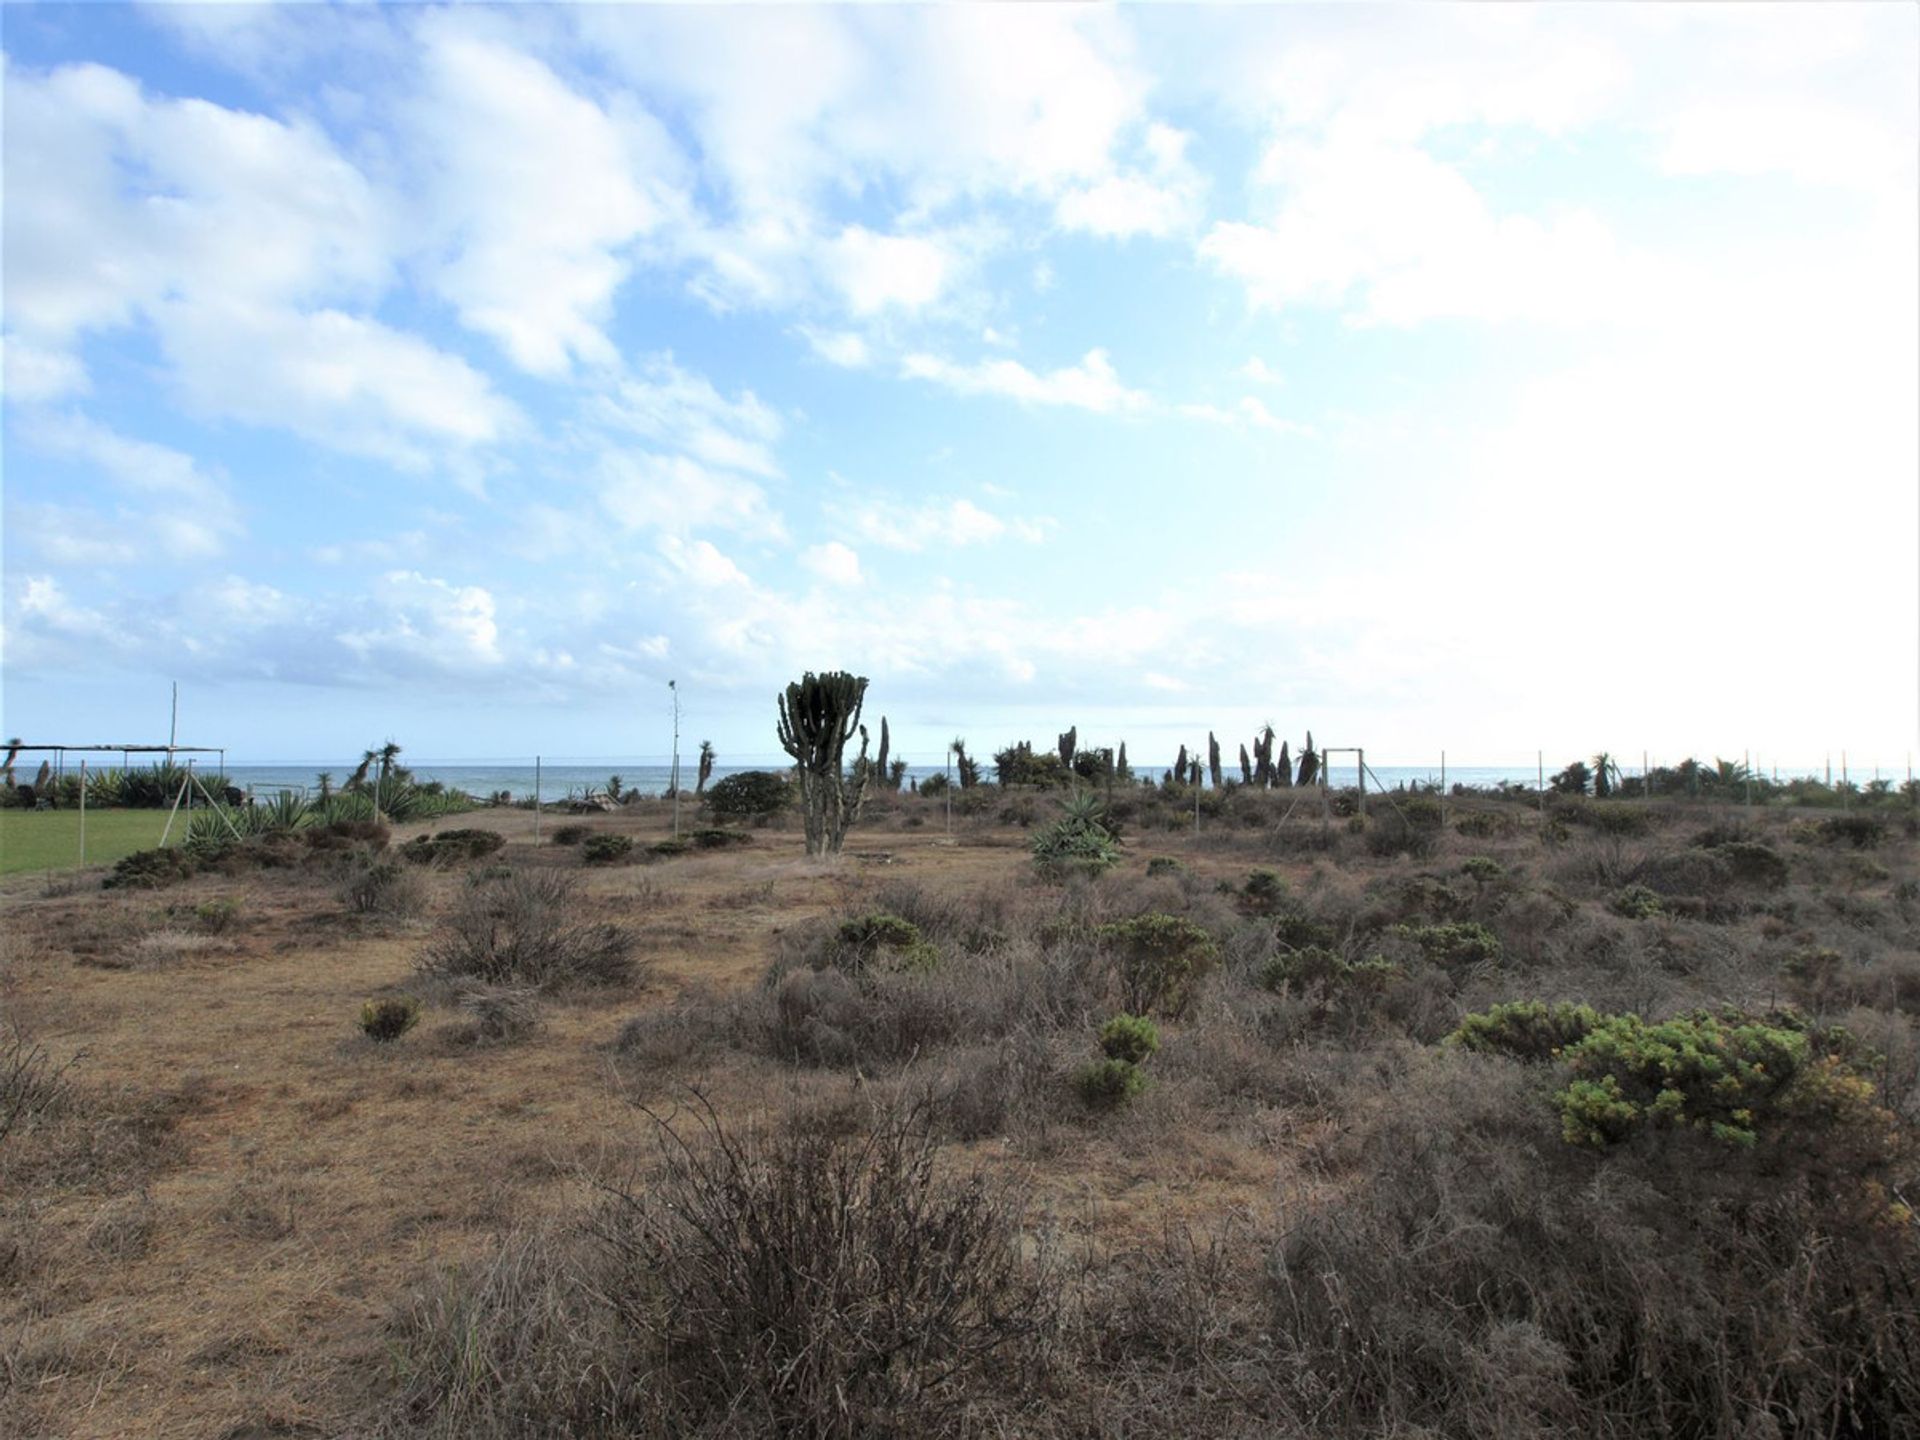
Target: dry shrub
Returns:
[[383, 887], [789, 1280], [32, 1086], [520, 929], [1483, 1278]]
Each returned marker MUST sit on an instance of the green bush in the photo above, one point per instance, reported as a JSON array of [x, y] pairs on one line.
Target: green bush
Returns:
[[1263, 893], [1165, 865], [669, 849], [1458, 942], [1109, 1084], [865, 938], [216, 916], [607, 850], [1754, 863], [1737, 1080], [1482, 825], [570, 834], [390, 1018], [150, 870], [1131, 1038], [1304, 965], [750, 795], [1862, 832], [1482, 869], [451, 847], [1079, 840], [1526, 1029], [1636, 902], [1158, 959], [719, 839]]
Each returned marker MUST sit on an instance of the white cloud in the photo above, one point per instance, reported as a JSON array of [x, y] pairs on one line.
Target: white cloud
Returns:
[[683, 411], [844, 348], [426, 618], [943, 523], [879, 272], [1259, 372], [34, 374], [238, 238], [1123, 205], [702, 564], [1090, 385], [535, 193], [833, 562], [181, 512], [1158, 200], [1404, 238], [675, 494]]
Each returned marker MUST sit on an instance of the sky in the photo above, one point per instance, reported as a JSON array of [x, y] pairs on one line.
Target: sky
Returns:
[[1481, 378]]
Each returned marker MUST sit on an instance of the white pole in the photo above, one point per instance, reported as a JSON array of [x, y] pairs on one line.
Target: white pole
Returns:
[[83, 812], [536, 799], [173, 725], [178, 795], [949, 791], [675, 782]]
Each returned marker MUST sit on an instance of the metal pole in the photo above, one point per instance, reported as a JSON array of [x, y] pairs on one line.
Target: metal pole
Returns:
[[536, 799], [1540, 777], [173, 725], [949, 791], [674, 686], [83, 812], [1360, 779], [173, 812]]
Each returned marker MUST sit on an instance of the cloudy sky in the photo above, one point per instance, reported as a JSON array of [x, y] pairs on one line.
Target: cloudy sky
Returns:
[[1479, 377]]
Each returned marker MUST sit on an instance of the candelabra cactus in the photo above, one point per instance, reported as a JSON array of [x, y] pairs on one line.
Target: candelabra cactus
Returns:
[[818, 715], [1246, 767], [1283, 768], [1213, 760]]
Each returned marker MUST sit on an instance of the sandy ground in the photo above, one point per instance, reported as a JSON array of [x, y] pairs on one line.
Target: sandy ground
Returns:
[[238, 1281]]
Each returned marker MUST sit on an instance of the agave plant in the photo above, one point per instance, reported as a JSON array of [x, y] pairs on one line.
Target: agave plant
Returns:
[[284, 813]]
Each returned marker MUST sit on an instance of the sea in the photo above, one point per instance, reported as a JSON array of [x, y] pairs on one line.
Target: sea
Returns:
[[561, 780]]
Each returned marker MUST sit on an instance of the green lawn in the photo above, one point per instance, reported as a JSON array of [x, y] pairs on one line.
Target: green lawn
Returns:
[[50, 839]]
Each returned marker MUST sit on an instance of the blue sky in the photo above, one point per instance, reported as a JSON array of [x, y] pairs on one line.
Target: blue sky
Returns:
[[1479, 378]]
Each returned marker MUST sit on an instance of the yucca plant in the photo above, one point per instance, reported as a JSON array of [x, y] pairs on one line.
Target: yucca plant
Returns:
[[283, 814]]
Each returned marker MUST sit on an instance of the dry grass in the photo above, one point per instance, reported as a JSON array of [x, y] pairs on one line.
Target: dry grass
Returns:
[[213, 1228]]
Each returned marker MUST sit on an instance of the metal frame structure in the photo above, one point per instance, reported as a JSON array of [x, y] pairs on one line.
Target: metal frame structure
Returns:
[[60, 752]]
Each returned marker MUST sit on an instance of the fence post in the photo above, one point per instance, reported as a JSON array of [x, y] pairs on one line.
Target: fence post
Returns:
[[536, 799], [1360, 778], [83, 812], [1540, 777]]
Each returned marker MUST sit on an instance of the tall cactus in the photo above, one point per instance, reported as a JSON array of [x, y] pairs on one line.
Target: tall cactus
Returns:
[[880, 760], [818, 715], [1213, 760], [1180, 766], [1283, 767], [1069, 745], [1309, 762], [706, 767], [1246, 767], [1121, 768], [1263, 758]]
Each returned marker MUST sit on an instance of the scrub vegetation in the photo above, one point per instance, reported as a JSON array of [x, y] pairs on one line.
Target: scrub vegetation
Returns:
[[1468, 1115]]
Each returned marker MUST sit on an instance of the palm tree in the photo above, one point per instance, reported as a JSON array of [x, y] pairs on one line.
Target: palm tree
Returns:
[[706, 767], [358, 780], [325, 780], [13, 753], [388, 753]]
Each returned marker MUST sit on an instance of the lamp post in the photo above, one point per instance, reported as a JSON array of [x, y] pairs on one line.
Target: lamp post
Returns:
[[674, 781]]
